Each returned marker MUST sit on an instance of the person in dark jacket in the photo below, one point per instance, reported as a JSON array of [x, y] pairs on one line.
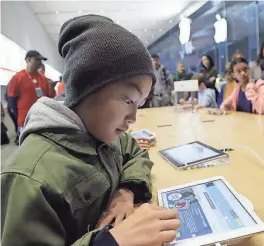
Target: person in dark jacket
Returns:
[[77, 174], [209, 72], [12, 115], [182, 73], [4, 137]]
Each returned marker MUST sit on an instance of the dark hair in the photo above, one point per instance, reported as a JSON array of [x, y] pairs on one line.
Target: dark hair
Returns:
[[237, 61], [155, 56], [260, 56], [237, 55], [210, 60], [201, 79]]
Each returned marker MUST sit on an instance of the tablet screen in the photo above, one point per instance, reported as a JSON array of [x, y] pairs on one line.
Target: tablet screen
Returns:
[[190, 153], [207, 208], [141, 134]]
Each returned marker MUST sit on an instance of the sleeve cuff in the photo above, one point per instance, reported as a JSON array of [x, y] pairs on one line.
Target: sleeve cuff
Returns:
[[103, 238], [142, 193]]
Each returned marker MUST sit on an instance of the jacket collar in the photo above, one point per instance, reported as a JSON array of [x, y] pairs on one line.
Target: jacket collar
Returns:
[[77, 141]]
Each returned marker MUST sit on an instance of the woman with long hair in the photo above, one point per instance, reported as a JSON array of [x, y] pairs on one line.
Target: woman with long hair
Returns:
[[247, 96], [209, 72], [257, 68]]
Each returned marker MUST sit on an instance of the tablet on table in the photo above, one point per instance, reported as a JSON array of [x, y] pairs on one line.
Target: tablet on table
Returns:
[[145, 134], [191, 154], [210, 211]]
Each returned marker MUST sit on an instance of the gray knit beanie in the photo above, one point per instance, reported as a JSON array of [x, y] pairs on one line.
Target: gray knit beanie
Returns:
[[98, 52]]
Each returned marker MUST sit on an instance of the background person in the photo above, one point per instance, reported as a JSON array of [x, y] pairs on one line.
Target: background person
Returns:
[[247, 97], [162, 90], [4, 137], [181, 72], [50, 83], [228, 87], [206, 97], [209, 72], [181, 75], [26, 87], [257, 68]]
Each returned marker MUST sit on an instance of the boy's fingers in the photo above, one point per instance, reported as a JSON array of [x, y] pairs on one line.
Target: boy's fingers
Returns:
[[107, 220]]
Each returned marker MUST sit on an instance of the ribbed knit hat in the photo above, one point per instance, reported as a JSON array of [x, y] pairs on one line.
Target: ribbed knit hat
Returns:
[[98, 52]]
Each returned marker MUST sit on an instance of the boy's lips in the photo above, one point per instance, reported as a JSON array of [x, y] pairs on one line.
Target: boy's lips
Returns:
[[122, 129]]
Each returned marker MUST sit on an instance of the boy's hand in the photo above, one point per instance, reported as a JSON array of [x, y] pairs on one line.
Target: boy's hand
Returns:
[[149, 225], [121, 206], [142, 142]]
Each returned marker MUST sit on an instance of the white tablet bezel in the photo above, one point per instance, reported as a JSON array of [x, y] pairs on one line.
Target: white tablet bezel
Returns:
[[219, 237], [150, 138]]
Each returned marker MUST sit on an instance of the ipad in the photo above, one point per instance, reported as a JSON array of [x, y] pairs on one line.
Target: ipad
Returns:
[[142, 134], [210, 211], [191, 154]]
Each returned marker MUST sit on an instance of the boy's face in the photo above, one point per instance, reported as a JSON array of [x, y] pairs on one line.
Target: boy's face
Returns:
[[108, 113], [202, 87]]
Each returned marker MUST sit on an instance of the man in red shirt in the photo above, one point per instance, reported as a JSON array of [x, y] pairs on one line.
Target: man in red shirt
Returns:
[[26, 87]]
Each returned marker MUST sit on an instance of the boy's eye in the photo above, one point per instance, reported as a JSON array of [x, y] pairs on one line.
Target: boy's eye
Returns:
[[129, 101]]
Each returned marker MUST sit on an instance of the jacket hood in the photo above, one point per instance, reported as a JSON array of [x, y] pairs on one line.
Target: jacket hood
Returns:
[[47, 113]]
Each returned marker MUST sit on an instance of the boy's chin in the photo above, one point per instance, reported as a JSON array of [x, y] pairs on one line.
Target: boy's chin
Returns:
[[112, 138]]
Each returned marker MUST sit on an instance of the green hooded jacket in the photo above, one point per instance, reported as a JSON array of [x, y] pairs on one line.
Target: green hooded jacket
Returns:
[[58, 183]]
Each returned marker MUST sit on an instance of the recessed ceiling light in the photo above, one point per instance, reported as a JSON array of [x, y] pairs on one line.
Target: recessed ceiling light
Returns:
[[130, 30], [57, 12], [79, 11], [170, 21], [160, 29], [102, 11], [117, 22], [145, 30]]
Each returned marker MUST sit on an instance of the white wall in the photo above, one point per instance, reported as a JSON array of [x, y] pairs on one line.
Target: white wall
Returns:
[[19, 24]]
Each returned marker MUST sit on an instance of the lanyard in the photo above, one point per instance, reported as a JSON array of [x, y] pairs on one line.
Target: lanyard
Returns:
[[34, 81]]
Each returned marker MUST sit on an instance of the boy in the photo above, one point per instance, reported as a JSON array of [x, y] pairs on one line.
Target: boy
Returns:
[[206, 97], [76, 169]]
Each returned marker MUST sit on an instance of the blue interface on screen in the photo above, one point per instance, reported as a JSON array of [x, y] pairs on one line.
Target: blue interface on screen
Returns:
[[207, 208], [141, 134]]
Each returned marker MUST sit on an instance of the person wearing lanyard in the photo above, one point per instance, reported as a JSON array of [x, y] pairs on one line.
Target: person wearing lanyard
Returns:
[[26, 87]]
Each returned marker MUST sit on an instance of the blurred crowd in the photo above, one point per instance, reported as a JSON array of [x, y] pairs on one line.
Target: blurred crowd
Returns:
[[241, 89]]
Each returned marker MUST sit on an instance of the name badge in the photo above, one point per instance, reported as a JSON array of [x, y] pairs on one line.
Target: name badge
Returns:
[[39, 92]]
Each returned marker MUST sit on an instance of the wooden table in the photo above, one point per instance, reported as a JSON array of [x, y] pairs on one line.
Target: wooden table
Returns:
[[239, 131]]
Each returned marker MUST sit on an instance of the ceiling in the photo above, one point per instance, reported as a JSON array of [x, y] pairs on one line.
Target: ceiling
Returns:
[[147, 19]]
